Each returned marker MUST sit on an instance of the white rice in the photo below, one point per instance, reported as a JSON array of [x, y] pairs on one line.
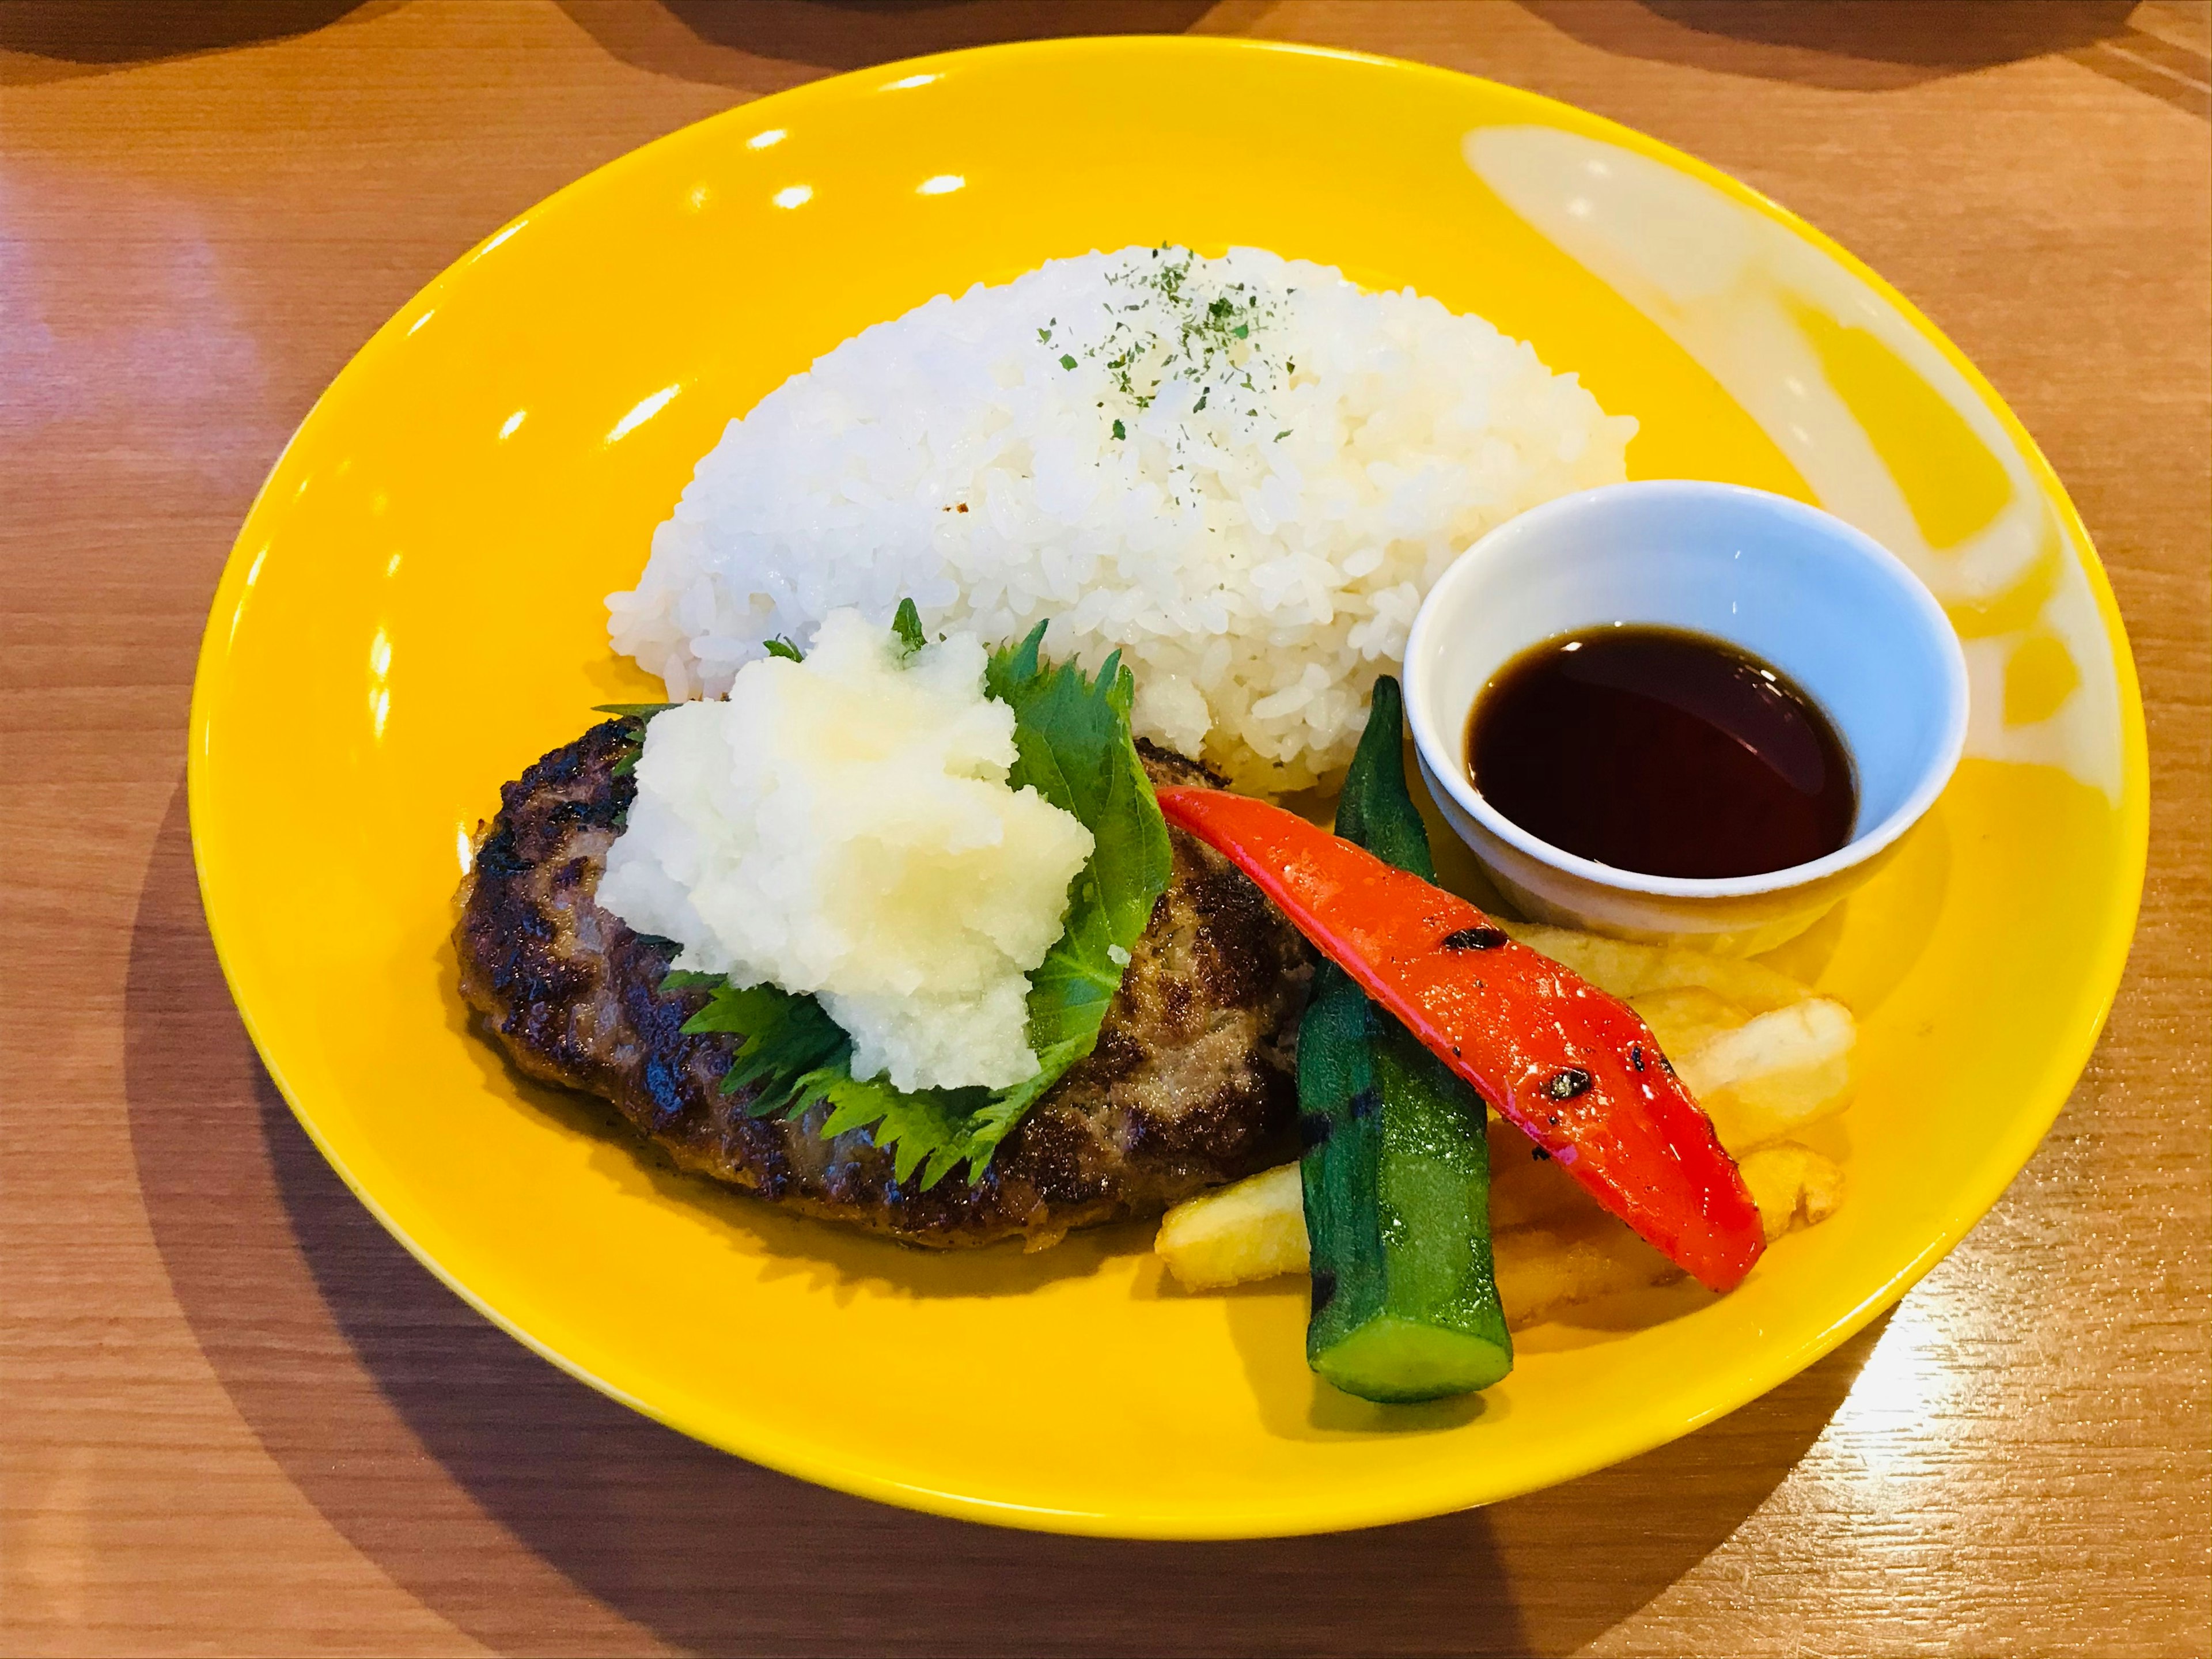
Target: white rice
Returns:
[[1255, 544]]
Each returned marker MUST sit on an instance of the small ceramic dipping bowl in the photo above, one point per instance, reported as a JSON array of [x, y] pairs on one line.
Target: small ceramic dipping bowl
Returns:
[[1824, 603]]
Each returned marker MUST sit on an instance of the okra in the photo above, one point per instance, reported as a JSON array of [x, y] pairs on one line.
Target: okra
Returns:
[[1396, 1169]]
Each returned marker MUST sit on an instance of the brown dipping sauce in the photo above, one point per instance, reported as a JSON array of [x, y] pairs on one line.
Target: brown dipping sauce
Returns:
[[1661, 752]]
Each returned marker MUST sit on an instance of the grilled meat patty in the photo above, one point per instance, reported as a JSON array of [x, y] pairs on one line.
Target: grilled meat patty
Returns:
[[1191, 1083]]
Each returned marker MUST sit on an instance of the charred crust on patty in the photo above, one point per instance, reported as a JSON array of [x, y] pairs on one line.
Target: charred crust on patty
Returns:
[[1191, 1085]]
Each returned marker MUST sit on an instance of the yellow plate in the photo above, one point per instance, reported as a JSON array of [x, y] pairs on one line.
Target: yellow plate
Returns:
[[412, 614]]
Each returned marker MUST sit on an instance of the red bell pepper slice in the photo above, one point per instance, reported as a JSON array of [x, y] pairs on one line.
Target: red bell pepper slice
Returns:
[[1573, 1067]]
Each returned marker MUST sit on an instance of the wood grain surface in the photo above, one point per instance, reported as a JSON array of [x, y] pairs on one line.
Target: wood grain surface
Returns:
[[236, 1418]]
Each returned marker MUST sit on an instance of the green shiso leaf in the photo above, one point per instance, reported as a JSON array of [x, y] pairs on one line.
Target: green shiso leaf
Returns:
[[1073, 746], [786, 1039], [929, 1130], [907, 624], [626, 762]]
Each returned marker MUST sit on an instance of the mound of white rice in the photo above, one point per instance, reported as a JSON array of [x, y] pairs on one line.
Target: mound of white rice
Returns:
[[1242, 472]]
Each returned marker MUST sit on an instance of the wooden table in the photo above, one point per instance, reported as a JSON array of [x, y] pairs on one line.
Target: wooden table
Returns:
[[237, 1417]]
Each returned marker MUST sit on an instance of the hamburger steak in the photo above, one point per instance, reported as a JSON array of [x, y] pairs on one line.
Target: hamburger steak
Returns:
[[1191, 1084]]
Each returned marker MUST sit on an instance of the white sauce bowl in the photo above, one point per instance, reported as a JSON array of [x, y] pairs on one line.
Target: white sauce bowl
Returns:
[[1827, 604]]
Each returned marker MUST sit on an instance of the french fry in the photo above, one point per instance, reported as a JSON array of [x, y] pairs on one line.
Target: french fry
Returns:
[[1793, 1186], [1762, 1054], [1525, 1189], [1687, 1018], [1574, 1258], [1254, 1229], [1629, 970], [1773, 1074], [1579, 1256]]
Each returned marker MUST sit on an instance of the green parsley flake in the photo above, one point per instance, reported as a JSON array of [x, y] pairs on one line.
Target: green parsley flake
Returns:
[[1177, 321]]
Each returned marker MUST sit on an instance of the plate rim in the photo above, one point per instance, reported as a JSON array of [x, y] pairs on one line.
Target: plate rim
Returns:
[[2001, 1160]]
